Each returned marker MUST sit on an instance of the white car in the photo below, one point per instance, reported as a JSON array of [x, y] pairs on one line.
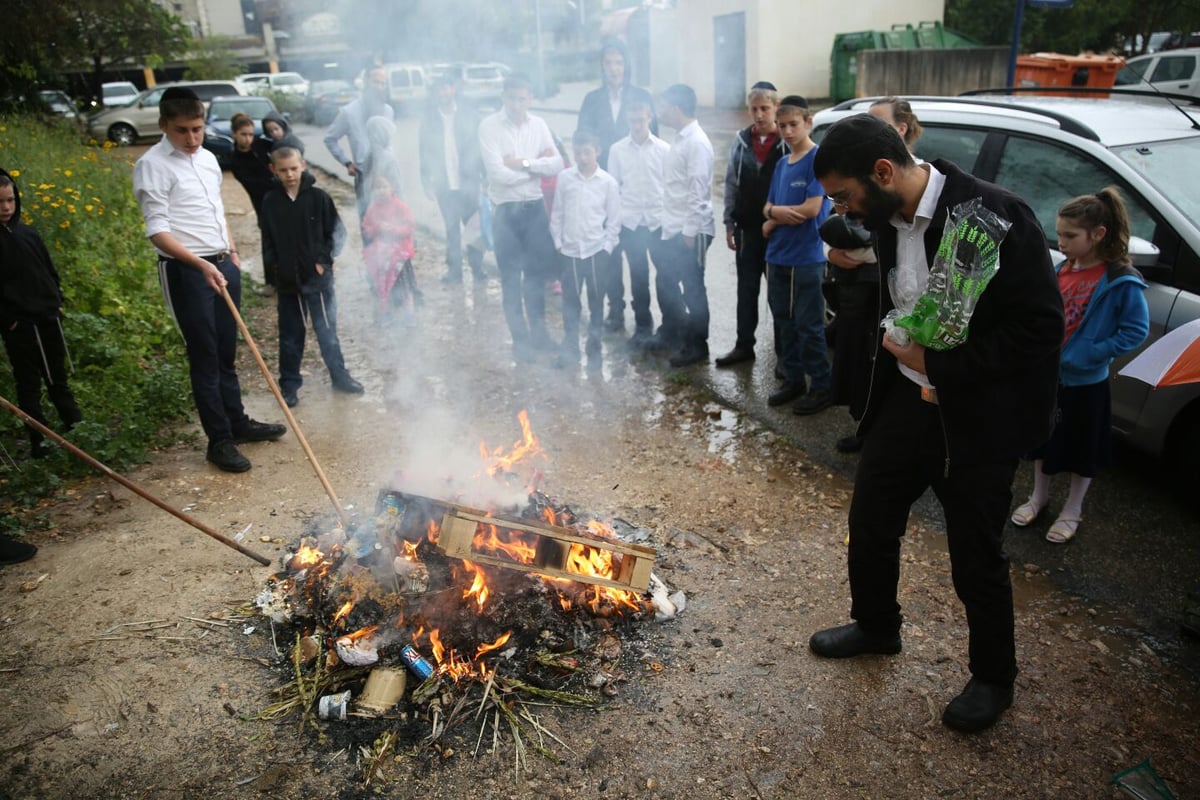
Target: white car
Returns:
[[1049, 149], [265, 82], [117, 93], [1171, 71]]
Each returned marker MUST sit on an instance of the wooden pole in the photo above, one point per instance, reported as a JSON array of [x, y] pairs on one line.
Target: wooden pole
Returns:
[[287, 412], [130, 485]]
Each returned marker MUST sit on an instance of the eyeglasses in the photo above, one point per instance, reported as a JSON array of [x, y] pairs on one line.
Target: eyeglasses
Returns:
[[840, 200]]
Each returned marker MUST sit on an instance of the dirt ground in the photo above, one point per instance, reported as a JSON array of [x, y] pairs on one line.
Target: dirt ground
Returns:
[[118, 684]]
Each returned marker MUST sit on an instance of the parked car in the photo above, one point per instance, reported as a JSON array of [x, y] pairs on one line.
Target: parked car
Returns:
[[326, 98], [264, 82], [407, 86], [1173, 71], [1049, 149], [59, 102], [139, 120], [218, 133], [480, 83], [117, 93]]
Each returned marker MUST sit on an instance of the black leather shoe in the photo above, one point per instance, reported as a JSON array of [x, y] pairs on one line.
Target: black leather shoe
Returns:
[[224, 454], [847, 641], [689, 355], [814, 401], [253, 431], [290, 399], [614, 325], [13, 551], [779, 374], [849, 444], [978, 707], [786, 394], [348, 385], [737, 355]]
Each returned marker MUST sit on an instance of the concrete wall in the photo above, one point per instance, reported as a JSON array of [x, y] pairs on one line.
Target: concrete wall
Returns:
[[911, 72], [788, 42]]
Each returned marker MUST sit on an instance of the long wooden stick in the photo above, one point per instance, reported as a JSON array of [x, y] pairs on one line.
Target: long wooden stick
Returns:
[[130, 485], [287, 412]]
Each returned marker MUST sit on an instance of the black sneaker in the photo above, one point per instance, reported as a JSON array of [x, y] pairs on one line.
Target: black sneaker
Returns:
[[814, 401], [224, 454], [849, 444], [689, 355], [13, 551], [614, 325], [254, 431], [737, 355], [290, 399], [786, 394], [347, 385]]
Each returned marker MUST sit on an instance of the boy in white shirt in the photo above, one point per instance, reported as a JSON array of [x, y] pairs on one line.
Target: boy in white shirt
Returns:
[[637, 162], [585, 224]]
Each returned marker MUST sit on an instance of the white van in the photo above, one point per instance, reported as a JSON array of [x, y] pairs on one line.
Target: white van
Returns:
[[408, 86]]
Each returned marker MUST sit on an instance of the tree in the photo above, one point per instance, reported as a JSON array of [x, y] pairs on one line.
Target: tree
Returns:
[[48, 38], [212, 59]]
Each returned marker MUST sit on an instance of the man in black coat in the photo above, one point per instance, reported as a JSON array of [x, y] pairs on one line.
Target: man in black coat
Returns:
[[604, 113], [452, 177], [956, 420]]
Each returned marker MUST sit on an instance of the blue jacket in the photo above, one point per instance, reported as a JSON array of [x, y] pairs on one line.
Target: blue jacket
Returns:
[[1115, 322]]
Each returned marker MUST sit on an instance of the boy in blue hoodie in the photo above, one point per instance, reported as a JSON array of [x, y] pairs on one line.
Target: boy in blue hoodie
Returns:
[[31, 302]]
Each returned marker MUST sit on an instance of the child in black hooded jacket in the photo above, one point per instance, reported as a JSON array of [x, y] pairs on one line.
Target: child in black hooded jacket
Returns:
[[31, 302]]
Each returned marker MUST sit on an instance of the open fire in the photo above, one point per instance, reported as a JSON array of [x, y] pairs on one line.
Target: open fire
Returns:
[[505, 600]]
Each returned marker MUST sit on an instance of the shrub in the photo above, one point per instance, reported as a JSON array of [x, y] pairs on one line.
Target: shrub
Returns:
[[130, 373]]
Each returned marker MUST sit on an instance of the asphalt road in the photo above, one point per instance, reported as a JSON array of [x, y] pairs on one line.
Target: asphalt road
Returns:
[[1138, 548]]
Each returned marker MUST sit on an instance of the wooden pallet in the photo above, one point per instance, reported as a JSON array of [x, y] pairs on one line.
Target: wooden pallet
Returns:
[[552, 546]]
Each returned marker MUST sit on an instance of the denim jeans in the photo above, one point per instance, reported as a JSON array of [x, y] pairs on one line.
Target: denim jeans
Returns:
[[294, 312], [797, 302]]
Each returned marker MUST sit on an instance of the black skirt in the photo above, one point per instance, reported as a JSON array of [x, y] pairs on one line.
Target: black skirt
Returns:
[[1082, 439]]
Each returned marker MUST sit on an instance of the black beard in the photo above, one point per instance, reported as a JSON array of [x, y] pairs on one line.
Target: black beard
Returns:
[[881, 206]]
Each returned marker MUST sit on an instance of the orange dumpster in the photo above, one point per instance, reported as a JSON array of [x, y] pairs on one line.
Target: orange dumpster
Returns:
[[1056, 69]]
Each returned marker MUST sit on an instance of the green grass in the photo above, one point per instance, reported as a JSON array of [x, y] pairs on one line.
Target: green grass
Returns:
[[130, 372]]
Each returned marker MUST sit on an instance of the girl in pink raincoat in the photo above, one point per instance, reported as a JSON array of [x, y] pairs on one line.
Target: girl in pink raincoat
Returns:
[[388, 228]]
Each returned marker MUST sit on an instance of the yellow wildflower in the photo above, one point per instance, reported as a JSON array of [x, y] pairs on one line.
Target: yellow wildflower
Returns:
[[66, 223]]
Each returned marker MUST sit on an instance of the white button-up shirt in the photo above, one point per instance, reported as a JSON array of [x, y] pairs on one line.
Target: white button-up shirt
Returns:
[[687, 189], [639, 170], [499, 138], [912, 265], [586, 216], [181, 195]]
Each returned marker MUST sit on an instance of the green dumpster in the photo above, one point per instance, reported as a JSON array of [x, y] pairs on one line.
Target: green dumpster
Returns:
[[843, 72]]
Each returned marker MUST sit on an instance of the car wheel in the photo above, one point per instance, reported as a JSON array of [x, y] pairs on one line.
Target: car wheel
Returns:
[[122, 134]]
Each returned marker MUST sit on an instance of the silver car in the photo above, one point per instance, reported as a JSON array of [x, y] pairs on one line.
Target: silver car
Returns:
[[1049, 149], [125, 125]]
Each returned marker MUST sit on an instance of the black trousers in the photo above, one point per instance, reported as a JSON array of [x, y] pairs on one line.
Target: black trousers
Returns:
[[751, 260], [38, 355], [457, 207], [614, 288], [682, 298], [210, 335], [579, 274], [295, 310], [639, 246], [854, 346], [904, 454], [525, 254]]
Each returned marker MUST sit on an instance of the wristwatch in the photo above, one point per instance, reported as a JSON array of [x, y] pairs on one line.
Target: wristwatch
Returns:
[[524, 163]]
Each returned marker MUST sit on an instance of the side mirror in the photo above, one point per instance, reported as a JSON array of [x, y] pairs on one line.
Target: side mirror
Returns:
[[1142, 253]]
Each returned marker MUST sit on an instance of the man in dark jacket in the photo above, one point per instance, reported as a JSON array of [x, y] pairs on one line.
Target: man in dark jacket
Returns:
[[299, 227], [604, 113], [956, 420], [31, 303], [451, 170], [748, 172]]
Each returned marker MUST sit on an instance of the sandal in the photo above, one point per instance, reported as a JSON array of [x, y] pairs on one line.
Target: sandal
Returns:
[[1063, 530], [1026, 513]]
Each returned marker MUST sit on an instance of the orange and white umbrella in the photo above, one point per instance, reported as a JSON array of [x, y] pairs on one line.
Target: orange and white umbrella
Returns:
[[1172, 360]]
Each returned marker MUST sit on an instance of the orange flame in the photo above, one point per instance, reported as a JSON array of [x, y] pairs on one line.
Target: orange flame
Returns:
[[478, 589], [343, 611], [490, 540], [410, 551], [307, 556], [361, 633], [496, 645], [449, 662], [528, 447], [434, 532]]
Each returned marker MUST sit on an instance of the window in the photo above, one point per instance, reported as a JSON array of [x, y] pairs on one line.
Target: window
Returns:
[[1046, 175], [1132, 73], [400, 79], [1174, 68], [960, 145]]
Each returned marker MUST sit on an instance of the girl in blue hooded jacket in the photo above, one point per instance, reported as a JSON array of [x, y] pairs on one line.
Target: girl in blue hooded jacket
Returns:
[[1106, 316]]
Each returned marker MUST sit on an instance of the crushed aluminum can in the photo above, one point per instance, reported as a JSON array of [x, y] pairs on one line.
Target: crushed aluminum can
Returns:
[[416, 662], [333, 706]]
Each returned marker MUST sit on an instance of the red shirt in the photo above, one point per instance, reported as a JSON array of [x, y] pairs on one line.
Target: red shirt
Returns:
[[1077, 287], [762, 145]]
